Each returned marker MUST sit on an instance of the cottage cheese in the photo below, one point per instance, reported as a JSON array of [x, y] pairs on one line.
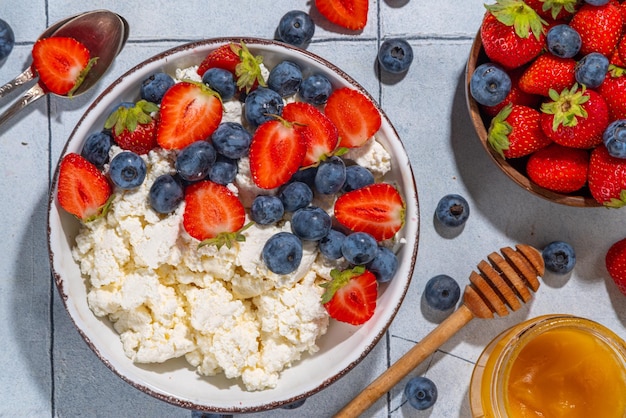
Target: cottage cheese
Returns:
[[221, 309]]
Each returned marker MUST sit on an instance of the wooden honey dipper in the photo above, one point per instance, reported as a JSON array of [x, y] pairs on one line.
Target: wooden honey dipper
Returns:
[[502, 282]]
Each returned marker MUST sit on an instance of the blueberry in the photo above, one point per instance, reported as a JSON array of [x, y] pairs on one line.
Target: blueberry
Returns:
[[489, 84], [331, 175], [194, 162], [266, 210], [614, 138], [296, 28], [285, 78], [96, 148], [231, 140], [224, 170], [452, 210], [295, 404], [166, 193], [384, 264], [597, 2], [222, 81], [591, 69], [359, 248], [306, 176], [442, 292], [330, 245], [282, 253], [127, 170], [261, 104], [420, 392], [154, 87], [395, 55], [563, 41], [356, 177], [559, 257], [310, 223], [7, 39], [295, 195], [315, 89]]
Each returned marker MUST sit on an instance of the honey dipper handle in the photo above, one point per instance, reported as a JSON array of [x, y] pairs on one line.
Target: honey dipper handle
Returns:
[[383, 384]]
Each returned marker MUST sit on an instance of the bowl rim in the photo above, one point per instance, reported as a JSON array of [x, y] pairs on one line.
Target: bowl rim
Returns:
[[576, 200], [411, 236]]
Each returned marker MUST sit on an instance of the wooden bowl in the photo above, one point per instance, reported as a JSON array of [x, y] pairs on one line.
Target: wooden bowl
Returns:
[[514, 168]]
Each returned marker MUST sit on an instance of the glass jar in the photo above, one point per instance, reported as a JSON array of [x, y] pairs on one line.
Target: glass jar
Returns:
[[557, 365]]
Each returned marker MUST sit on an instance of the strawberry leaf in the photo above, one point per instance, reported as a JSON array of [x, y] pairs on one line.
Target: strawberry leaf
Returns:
[[499, 131], [518, 14], [227, 238], [615, 202], [566, 107], [248, 71], [82, 76]]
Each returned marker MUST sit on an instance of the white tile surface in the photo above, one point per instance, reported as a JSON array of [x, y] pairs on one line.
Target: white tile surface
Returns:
[[46, 367]]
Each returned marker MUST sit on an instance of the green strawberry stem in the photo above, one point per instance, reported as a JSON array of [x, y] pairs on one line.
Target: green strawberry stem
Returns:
[[227, 238], [339, 280], [615, 202], [499, 131], [129, 117], [555, 6], [102, 212], [248, 71], [566, 107], [518, 14], [82, 76]]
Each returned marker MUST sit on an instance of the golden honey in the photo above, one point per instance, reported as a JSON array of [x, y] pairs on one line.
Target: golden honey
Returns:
[[551, 366]]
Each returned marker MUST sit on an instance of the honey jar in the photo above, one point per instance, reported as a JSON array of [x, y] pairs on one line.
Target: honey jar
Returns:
[[551, 366]]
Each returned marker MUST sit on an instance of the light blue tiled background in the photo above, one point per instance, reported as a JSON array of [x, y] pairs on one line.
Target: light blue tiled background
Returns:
[[45, 367]]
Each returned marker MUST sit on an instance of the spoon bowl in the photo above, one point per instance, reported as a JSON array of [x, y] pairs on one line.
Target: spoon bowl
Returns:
[[103, 32]]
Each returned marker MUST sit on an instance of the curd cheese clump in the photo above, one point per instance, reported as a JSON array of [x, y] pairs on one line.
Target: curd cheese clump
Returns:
[[221, 309]]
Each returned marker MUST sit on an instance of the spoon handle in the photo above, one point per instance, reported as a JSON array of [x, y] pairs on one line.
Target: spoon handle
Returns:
[[30, 96], [383, 384], [18, 81]]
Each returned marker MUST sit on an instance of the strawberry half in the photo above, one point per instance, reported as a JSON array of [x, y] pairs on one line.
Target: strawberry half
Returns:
[[276, 153], [213, 213], [239, 61], [190, 112], [349, 14], [320, 133], [351, 295], [61, 63], [133, 128], [82, 189], [354, 115], [615, 261], [377, 209]]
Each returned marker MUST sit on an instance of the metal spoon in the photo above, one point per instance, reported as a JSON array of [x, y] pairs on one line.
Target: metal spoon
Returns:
[[103, 32]]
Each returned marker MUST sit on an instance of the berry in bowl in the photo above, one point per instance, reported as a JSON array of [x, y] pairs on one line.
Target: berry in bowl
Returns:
[[545, 89], [229, 216]]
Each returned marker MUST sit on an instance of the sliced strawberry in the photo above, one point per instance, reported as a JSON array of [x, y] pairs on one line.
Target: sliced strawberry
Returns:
[[276, 153], [133, 128], [349, 14], [239, 61], [377, 209], [211, 211], [354, 115], [61, 63], [83, 190], [319, 132], [351, 295], [190, 112]]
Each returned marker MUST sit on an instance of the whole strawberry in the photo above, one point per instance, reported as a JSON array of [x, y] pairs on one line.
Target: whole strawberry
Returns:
[[599, 28], [558, 168], [615, 261], [512, 33], [607, 178], [133, 127], [548, 72], [515, 132], [613, 90], [575, 118]]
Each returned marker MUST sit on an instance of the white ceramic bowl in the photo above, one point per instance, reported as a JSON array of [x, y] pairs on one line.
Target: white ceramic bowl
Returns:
[[175, 381]]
